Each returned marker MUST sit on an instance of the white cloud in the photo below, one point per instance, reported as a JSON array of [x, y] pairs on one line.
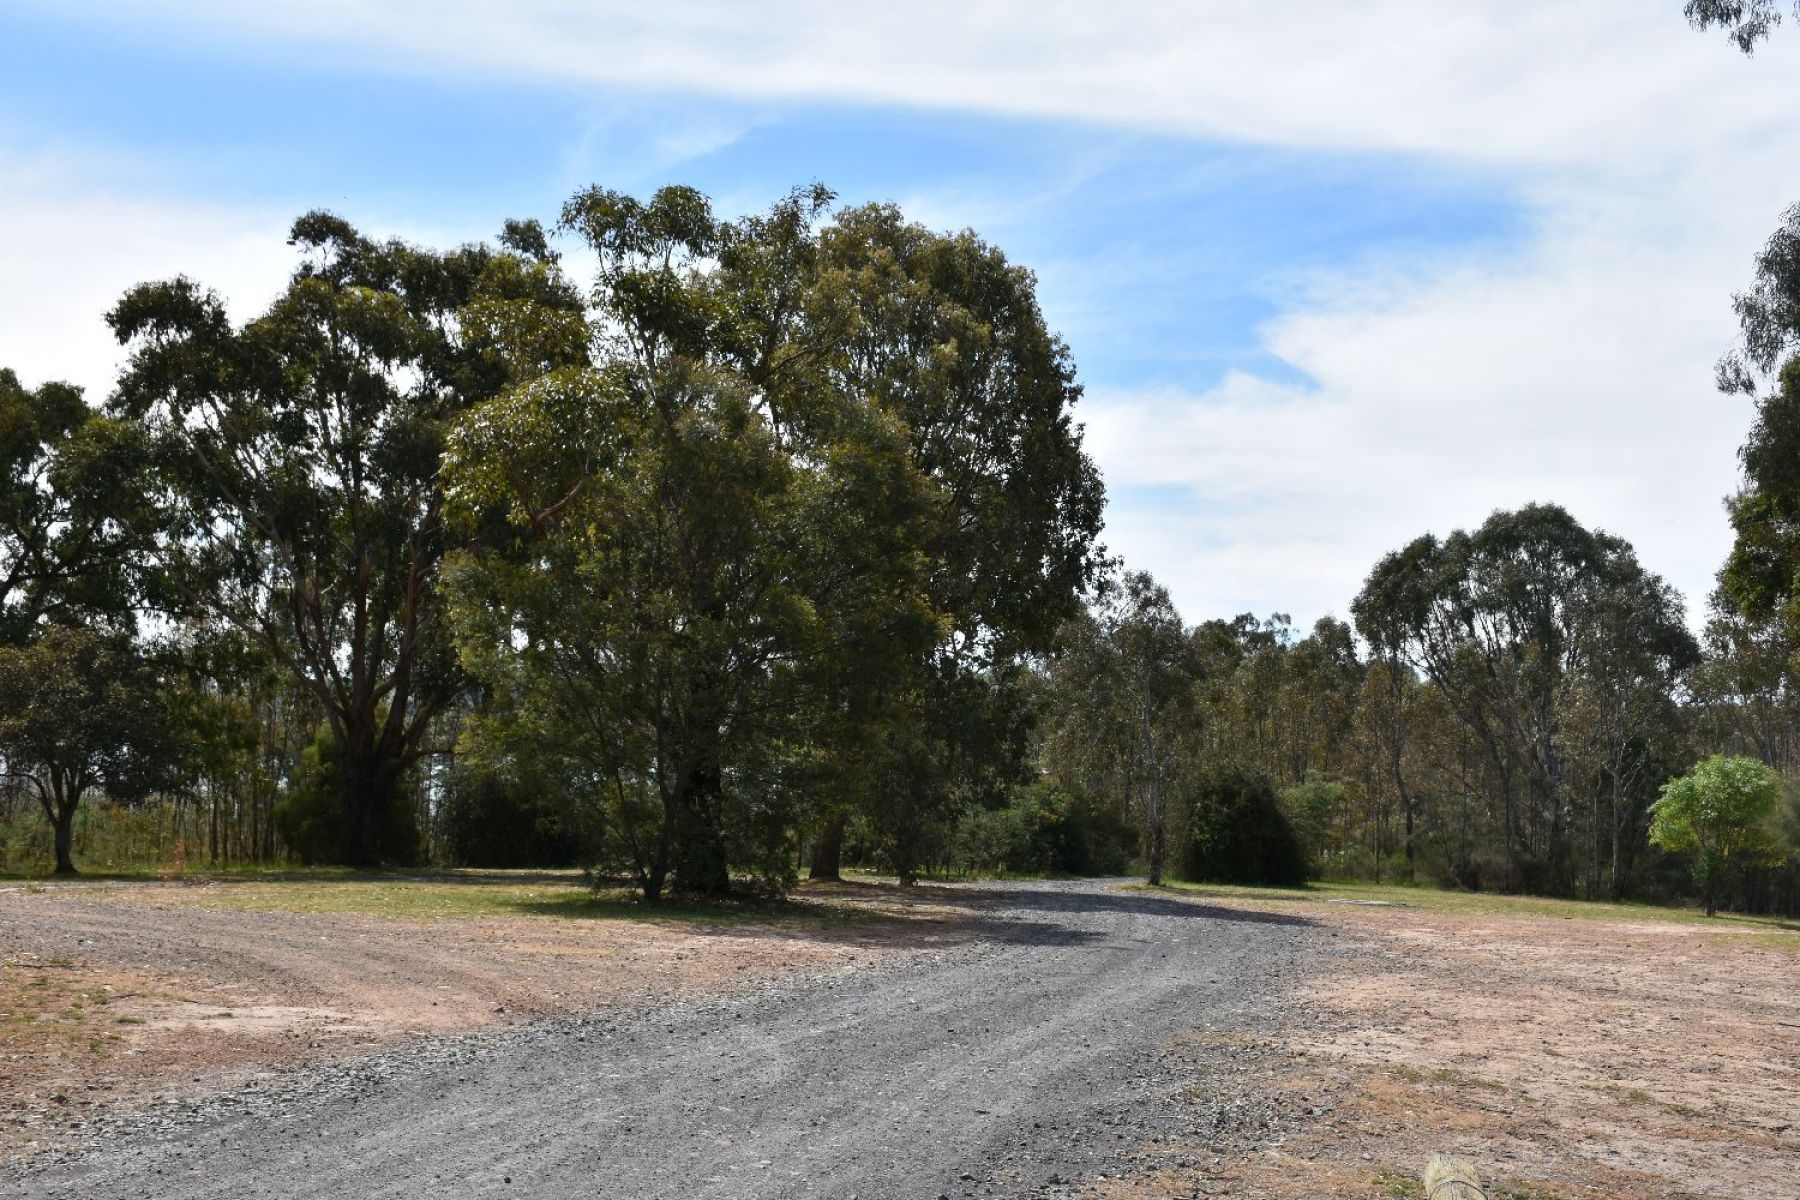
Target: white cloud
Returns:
[[1606, 81], [78, 234], [1578, 373]]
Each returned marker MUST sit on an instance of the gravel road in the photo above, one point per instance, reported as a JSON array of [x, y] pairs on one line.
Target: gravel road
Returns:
[[1045, 1054]]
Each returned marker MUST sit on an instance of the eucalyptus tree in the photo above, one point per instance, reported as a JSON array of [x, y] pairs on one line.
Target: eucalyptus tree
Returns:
[[1505, 622], [1123, 705], [945, 334], [71, 494], [712, 578], [298, 457], [1760, 584], [1635, 655]]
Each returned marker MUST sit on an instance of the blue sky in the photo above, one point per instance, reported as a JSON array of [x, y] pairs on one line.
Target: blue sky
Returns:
[[1314, 318]]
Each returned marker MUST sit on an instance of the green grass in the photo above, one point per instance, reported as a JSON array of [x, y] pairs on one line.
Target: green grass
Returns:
[[1778, 931], [1400, 1186]]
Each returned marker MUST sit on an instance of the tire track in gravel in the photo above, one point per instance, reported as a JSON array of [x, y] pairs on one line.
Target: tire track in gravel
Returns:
[[1037, 1055]]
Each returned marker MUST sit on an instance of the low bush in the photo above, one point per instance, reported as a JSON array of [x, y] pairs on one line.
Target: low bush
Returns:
[[1238, 833]]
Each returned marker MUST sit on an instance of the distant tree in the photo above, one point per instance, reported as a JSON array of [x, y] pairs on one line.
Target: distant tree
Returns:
[[1720, 813], [1506, 622], [83, 711], [1745, 701], [1634, 652], [1123, 702], [298, 468], [1745, 22]]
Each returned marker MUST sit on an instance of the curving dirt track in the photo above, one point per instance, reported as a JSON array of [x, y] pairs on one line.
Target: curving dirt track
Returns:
[[1048, 1048]]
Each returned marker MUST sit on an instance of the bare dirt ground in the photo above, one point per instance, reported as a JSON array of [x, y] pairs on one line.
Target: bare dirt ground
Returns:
[[1278, 1048], [1043, 1049], [113, 995], [1569, 1058]]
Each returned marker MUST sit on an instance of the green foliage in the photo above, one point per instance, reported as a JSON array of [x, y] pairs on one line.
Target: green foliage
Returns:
[[1238, 833], [297, 470], [490, 820], [81, 711], [1723, 815], [312, 815], [1313, 809], [71, 488], [775, 550], [1045, 830]]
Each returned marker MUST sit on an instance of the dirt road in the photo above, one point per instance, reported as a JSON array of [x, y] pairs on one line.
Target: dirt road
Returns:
[[1059, 1046]]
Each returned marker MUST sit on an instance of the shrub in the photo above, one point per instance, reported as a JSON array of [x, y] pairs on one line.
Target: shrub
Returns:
[[310, 818], [1237, 833], [489, 820]]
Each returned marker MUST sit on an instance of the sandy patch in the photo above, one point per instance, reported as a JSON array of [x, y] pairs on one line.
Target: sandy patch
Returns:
[[1567, 1058]]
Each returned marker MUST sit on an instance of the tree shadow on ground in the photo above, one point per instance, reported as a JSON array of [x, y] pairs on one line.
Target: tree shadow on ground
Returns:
[[945, 916], [1131, 902]]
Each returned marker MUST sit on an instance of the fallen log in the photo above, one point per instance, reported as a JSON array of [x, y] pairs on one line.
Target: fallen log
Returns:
[[1447, 1178]]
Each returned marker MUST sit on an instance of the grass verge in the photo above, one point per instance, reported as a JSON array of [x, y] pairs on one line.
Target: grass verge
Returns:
[[1778, 931]]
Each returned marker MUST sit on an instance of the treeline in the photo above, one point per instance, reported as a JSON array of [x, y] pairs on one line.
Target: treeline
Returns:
[[767, 546], [751, 532], [1507, 707], [1504, 710]]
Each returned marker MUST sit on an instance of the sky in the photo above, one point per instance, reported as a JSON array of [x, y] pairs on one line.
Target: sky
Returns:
[[1333, 275]]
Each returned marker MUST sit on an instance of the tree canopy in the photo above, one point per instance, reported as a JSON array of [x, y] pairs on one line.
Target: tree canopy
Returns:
[[1721, 814], [297, 467]]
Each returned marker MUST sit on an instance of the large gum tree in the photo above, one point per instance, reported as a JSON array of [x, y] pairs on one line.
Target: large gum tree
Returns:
[[297, 459], [714, 552]]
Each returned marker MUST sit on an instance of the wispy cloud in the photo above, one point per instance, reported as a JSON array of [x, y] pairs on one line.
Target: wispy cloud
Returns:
[[1607, 82], [1577, 372]]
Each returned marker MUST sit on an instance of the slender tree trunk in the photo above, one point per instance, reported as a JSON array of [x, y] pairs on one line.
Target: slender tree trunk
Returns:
[[1153, 800], [828, 849], [1158, 849], [1406, 809], [1617, 882], [65, 838]]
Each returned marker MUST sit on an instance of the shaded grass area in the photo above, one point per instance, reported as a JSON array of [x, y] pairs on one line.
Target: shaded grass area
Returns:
[[1779, 932], [462, 895]]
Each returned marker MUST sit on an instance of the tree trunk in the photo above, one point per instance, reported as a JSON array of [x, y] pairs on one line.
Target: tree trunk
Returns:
[[65, 839], [368, 780], [700, 862], [1153, 810], [1406, 809], [828, 849]]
